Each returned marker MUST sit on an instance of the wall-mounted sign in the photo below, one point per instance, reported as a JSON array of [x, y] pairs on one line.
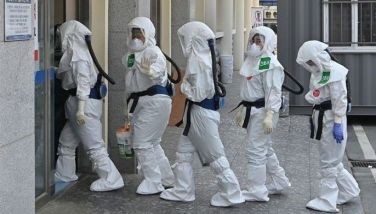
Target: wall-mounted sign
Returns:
[[257, 16], [18, 20]]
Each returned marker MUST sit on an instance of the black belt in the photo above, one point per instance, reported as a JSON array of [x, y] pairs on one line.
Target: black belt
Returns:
[[260, 103], [322, 107], [211, 104], [153, 90], [94, 92]]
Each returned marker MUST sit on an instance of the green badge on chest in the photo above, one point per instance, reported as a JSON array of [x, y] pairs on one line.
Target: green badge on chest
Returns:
[[264, 63], [131, 59], [325, 77]]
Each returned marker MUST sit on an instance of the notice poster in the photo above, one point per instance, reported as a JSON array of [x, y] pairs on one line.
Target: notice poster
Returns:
[[257, 16], [18, 20]]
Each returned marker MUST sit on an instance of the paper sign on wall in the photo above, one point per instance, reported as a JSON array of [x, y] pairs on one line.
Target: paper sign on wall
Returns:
[[257, 16], [18, 20]]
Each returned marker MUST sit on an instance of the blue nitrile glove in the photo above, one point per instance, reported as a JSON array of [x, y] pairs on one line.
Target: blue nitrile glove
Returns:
[[338, 132]]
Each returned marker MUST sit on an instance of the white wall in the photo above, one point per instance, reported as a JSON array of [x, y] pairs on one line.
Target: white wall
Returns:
[[17, 169]]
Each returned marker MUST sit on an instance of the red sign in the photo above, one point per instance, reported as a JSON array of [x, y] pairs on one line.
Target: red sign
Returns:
[[316, 93]]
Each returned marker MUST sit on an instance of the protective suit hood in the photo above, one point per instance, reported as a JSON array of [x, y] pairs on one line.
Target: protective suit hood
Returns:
[[270, 39], [198, 81], [194, 38], [148, 28], [73, 46], [327, 70], [253, 66]]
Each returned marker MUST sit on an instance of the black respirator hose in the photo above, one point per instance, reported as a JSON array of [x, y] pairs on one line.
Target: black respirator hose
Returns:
[[100, 69], [218, 86], [178, 71], [301, 88]]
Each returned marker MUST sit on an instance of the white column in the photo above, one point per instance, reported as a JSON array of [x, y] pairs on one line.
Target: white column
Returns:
[[99, 27], [226, 19], [211, 14], [165, 36], [247, 20], [200, 10], [239, 36]]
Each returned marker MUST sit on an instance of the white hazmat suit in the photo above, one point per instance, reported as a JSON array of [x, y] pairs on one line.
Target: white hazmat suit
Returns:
[[77, 71], [262, 84], [203, 136], [328, 84], [146, 68]]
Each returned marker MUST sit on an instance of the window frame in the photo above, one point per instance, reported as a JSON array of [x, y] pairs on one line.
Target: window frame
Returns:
[[354, 47]]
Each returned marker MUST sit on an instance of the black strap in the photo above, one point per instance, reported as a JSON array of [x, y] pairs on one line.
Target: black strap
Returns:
[[188, 124], [153, 90], [257, 104], [247, 116], [211, 104], [324, 106]]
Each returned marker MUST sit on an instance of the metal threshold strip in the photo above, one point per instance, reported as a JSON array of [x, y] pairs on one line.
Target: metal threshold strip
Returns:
[[363, 163]]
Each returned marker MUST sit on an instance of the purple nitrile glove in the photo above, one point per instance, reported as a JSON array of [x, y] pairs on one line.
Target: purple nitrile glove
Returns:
[[338, 132]]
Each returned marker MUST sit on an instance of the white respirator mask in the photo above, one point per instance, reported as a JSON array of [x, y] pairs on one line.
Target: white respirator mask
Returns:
[[136, 45], [255, 50]]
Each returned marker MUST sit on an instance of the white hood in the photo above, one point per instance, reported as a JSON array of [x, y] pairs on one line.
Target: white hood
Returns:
[[198, 79], [329, 71], [148, 28], [252, 65], [73, 46]]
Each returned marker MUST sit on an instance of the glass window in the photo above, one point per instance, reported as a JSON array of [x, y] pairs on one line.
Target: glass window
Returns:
[[340, 23], [40, 96], [350, 23], [367, 23]]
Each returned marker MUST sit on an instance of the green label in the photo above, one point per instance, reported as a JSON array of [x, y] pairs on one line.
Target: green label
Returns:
[[325, 77], [131, 59], [264, 63]]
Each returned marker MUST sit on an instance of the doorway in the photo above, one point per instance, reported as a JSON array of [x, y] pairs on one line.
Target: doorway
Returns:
[[49, 96]]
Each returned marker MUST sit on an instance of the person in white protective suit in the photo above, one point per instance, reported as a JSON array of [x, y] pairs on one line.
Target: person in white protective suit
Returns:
[[328, 94], [201, 132], [83, 111], [147, 85], [260, 92]]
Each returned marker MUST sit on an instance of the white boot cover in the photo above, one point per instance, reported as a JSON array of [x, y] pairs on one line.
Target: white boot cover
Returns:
[[184, 189], [152, 182], [277, 180], [109, 176], [229, 190], [66, 164], [328, 192], [257, 190], [347, 186], [168, 178]]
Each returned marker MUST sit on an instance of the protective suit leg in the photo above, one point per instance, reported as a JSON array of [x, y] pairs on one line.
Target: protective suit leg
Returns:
[[164, 166], [257, 190], [328, 192], [347, 185], [229, 190], [184, 189], [109, 176], [277, 180], [152, 182], [66, 162], [257, 149]]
